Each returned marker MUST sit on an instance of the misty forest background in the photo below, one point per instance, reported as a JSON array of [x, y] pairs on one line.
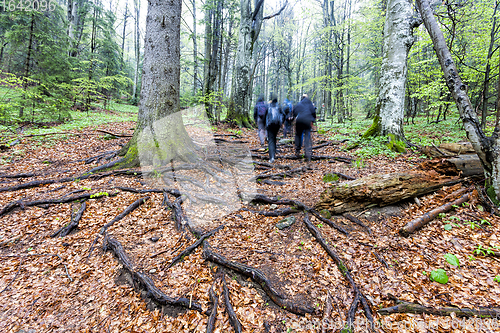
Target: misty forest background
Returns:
[[86, 56]]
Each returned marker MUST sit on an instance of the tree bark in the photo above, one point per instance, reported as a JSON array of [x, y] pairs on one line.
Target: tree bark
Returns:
[[381, 190], [160, 136], [487, 148], [398, 39]]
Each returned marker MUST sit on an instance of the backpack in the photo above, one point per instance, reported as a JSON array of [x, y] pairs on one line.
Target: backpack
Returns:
[[261, 109], [274, 116]]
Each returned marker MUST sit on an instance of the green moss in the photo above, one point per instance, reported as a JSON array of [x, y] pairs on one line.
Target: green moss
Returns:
[[395, 144], [491, 193]]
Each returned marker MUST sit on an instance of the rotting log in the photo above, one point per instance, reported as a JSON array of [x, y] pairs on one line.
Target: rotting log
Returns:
[[64, 231], [421, 221], [143, 282], [381, 190], [192, 247], [407, 307], [464, 165], [342, 268], [233, 319], [258, 277]]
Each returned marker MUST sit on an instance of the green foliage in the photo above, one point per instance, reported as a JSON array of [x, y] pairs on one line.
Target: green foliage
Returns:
[[329, 178], [439, 275], [98, 195], [497, 278], [452, 259]]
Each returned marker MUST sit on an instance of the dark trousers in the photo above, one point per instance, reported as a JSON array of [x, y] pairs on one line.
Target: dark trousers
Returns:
[[272, 132], [303, 135], [287, 128]]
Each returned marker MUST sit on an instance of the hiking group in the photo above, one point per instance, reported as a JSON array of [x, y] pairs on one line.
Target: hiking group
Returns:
[[269, 119]]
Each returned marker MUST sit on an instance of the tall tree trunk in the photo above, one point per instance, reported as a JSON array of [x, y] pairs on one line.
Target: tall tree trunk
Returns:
[[398, 39], [27, 64], [487, 71], [137, 49], [160, 135], [195, 51], [213, 62], [487, 148], [125, 16]]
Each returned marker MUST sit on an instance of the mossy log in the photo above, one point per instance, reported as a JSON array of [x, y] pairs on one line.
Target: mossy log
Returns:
[[381, 190]]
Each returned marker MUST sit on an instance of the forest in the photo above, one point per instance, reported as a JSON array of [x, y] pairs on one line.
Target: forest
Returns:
[[139, 195]]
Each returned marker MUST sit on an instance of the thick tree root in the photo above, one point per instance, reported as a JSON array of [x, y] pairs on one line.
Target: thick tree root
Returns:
[[192, 247], [45, 202], [233, 319], [180, 219], [279, 175], [64, 231], [270, 182], [421, 221], [357, 221], [213, 312], [174, 192], [407, 307], [258, 277], [19, 175], [143, 282], [343, 269], [120, 216], [277, 212], [260, 198], [351, 316], [341, 175]]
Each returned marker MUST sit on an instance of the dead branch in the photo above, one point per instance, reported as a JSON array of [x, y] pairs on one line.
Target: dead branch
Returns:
[[357, 221], [343, 269], [144, 282], [213, 312], [192, 247], [64, 231], [233, 319], [258, 277], [407, 307], [421, 221]]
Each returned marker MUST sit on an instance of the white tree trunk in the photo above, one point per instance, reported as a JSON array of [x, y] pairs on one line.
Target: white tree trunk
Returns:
[[487, 148], [398, 39]]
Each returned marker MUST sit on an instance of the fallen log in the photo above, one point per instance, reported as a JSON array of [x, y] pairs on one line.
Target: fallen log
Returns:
[[233, 319], [192, 247], [421, 221], [64, 231], [407, 307], [143, 282], [381, 190], [258, 277]]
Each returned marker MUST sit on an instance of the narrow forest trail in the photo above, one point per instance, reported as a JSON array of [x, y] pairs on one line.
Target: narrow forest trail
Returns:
[[58, 284]]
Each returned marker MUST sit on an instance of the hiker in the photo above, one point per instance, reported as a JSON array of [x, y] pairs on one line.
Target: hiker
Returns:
[[259, 115], [288, 111], [274, 119], [305, 114]]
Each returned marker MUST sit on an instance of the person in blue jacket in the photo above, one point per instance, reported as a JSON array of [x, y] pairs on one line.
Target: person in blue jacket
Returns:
[[305, 114], [259, 115]]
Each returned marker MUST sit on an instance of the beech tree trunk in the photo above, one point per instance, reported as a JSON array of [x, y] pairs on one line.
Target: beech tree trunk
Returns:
[[137, 45], [160, 135], [398, 39], [487, 148]]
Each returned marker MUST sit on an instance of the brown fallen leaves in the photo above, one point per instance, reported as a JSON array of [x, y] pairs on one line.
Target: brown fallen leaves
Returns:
[[40, 295]]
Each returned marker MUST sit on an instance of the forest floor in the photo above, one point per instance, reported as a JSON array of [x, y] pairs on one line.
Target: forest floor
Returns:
[[57, 284]]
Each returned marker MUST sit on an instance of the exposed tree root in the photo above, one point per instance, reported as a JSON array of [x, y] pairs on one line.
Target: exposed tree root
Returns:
[[192, 247], [174, 192], [407, 307], [114, 134], [357, 221], [327, 311], [341, 175], [343, 269], [120, 216], [19, 175], [45, 202], [213, 312], [143, 282], [106, 155], [106, 166], [258, 277], [278, 175], [271, 166], [233, 319], [421, 221], [64, 231], [277, 212], [270, 182], [260, 198], [180, 219], [351, 315]]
